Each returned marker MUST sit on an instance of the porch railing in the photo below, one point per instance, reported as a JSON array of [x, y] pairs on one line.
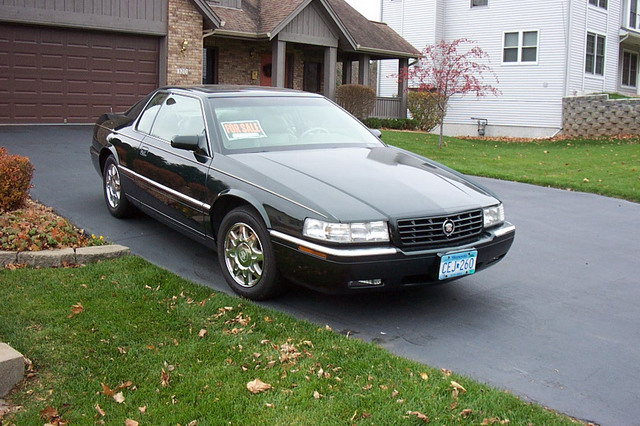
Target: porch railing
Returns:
[[387, 108]]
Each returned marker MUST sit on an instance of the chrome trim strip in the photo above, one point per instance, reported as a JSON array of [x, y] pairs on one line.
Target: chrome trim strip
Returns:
[[270, 192], [203, 207], [506, 229], [346, 252]]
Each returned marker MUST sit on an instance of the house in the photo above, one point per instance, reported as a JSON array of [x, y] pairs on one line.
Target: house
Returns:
[[541, 51], [70, 61]]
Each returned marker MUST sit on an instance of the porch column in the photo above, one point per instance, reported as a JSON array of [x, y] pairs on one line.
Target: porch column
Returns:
[[278, 56], [403, 85], [347, 70], [363, 70], [330, 63]]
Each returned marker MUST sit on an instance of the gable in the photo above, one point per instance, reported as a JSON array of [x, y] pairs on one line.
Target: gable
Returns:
[[311, 26]]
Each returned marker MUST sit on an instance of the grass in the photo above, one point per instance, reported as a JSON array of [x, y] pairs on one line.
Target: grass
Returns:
[[137, 329], [606, 167]]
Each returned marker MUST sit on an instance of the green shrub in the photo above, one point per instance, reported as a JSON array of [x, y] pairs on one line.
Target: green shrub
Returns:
[[359, 100], [424, 108], [391, 123], [15, 180]]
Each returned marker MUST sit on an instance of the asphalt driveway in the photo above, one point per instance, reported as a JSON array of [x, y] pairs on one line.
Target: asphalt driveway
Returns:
[[557, 322]]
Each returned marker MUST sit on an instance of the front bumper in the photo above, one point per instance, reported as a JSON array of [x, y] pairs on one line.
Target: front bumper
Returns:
[[340, 270]]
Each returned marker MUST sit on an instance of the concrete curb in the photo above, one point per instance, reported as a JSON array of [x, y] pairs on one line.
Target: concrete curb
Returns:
[[11, 368], [56, 258]]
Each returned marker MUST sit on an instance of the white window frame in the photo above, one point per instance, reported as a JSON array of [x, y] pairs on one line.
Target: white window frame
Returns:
[[520, 62], [471, 5], [598, 4], [622, 69], [595, 55], [627, 15]]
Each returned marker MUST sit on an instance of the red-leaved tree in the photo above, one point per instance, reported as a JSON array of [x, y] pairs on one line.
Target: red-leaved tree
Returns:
[[447, 69]]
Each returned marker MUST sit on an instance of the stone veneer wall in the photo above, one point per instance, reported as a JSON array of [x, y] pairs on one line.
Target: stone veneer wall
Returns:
[[184, 61], [597, 115]]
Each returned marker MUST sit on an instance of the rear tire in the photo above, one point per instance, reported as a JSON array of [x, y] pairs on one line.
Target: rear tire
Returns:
[[246, 255], [114, 196]]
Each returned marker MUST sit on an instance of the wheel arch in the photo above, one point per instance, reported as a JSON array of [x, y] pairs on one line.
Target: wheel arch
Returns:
[[231, 200], [105, 153]]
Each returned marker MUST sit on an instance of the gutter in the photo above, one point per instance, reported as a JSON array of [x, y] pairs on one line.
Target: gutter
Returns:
[[393, 53]]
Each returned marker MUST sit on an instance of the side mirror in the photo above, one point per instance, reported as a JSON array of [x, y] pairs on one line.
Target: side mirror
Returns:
[[377, 133], [189, 142]]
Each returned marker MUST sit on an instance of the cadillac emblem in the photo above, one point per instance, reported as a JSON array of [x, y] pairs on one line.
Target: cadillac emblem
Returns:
[[448, 227]]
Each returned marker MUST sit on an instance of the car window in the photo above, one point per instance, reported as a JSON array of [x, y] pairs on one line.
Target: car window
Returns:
[[179, 116], [276, 123], [150, 112]]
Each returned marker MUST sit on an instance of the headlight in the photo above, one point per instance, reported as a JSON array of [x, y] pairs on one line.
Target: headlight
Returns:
[[493, 216], [346, 232]]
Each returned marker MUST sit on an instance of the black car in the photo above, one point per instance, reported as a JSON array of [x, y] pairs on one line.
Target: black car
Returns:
[[287, 186]]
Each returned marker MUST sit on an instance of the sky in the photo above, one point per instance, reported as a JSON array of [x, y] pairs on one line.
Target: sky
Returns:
[[369, 8]]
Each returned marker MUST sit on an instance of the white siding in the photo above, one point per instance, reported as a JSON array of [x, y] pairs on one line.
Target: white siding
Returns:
[[531, 93], [415, 20]]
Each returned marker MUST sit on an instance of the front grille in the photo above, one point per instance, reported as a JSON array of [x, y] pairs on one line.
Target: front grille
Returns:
[[429, 231]]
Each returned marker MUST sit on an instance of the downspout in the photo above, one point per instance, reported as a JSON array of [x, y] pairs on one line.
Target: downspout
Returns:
[[568, 49]]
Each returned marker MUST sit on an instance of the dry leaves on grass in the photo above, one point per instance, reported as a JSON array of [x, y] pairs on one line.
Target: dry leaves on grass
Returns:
[[257, 386], [52, 417], [419, 415], [76, 310], [131, 422], [164, 378]]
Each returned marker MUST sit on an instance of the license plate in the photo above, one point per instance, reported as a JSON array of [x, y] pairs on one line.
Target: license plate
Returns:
[[457, 264]]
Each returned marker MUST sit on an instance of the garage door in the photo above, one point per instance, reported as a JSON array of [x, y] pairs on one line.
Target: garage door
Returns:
[[52, 75]]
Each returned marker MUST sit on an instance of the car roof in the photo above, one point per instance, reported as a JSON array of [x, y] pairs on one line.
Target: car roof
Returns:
[[224, 90]]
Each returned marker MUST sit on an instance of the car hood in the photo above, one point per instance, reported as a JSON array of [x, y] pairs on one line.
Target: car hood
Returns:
[[359, 184]]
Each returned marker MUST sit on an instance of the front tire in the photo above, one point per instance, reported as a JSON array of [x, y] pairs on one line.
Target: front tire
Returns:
[[114, 196], [246, 255]]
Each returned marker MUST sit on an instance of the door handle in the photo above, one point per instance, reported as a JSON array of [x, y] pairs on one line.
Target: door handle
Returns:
[[144, 150]]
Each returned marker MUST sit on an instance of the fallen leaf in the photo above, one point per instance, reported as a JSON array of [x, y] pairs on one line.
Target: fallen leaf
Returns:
[[457, 386], [75, 310], [585, 180], [424, 376], [465, 412], [49, 413], [130, 422], [100, 410], [124, 385], [202, 333], [192, 423], [269, 405], [258, 386], [446, 372], [122, 350], [142, 409], [367, 387], [106, 390], [119, 398], [164, 379], [316, 395], [394, 393], [419, 415]]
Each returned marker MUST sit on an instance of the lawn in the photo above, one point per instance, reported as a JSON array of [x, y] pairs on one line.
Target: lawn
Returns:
[[606, 167], [125, 340]]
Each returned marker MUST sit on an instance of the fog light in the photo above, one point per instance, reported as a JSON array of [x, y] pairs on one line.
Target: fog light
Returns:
[[366, 283]]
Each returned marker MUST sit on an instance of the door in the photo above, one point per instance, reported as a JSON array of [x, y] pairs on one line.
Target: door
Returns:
[[171, 180]]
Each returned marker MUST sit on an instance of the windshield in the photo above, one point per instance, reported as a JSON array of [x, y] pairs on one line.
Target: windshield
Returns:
[[279, 123]]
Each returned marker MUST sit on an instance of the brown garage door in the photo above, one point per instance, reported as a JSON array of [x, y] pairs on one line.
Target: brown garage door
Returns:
[[52, 75]]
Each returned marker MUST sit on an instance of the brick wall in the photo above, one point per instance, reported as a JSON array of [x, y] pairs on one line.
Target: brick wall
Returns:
[[238, 60], [597, 115], [184, 60]]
